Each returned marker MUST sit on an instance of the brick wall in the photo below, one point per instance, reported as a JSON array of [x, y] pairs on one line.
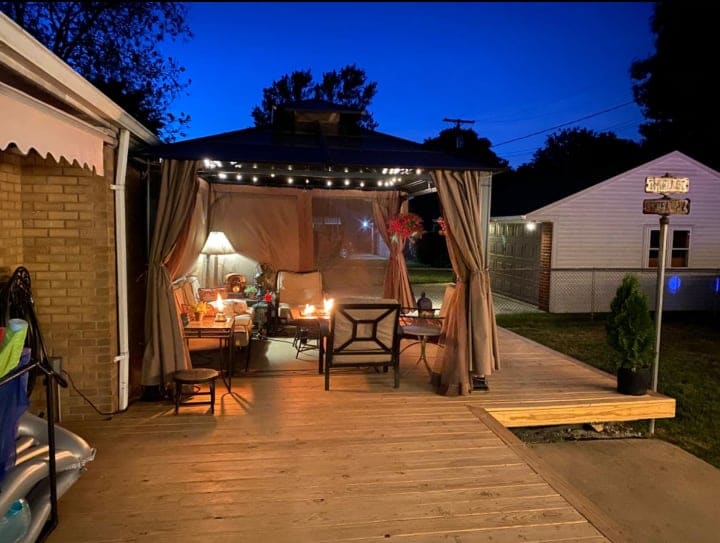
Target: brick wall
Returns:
[[11, 248], [66, 241], [546, 233]]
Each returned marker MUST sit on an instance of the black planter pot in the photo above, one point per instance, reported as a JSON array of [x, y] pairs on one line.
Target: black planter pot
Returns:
[[633, 383]]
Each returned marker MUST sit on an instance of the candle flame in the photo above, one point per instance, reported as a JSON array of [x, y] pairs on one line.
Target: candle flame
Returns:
[[219, 305], [309, 310], [328, 304]]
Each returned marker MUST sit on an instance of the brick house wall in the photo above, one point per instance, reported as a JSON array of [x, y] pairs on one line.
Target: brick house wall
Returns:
[[546, 237], [58, 222]]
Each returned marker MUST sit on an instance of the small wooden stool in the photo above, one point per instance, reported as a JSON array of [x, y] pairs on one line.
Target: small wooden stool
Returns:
[[195, 376]]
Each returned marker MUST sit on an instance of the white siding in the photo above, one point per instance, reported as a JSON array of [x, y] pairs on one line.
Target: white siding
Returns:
[[603, 226]]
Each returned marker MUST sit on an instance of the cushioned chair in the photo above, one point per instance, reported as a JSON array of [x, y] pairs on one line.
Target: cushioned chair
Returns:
[[295, 290], [363, 333]]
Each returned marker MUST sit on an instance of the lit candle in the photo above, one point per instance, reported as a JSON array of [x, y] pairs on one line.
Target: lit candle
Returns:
[[309, 310], [220, 306], [328, 304]]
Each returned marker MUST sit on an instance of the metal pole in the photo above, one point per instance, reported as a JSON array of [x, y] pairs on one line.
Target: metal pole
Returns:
[[664, 221]]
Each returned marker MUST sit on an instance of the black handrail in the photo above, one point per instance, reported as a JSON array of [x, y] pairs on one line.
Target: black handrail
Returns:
[[18, 303]]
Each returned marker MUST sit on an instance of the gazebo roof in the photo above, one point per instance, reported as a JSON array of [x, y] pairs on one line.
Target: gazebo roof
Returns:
[[313, 143]]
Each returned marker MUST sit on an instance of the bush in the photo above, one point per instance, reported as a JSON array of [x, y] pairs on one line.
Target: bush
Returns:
[[630, 330]]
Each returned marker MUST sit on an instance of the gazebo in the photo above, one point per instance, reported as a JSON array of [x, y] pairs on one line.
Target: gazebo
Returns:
[[288, 195]]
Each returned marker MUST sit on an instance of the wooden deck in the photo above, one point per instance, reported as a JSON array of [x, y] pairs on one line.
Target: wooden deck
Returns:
[[283, 460]]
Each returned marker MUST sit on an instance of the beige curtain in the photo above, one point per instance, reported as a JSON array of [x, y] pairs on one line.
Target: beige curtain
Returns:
[[267, 224], [397, 282], [471, 346], [165, 350], [197, 232]]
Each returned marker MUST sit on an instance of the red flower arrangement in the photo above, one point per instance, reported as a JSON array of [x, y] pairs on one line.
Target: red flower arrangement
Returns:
[[442, 224], [405, 226]]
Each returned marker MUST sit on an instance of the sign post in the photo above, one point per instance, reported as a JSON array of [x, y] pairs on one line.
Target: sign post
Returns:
[[664, 207]]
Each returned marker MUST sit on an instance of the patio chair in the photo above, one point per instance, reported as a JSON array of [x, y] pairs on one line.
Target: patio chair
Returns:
[[363, 333], [295, 290], [424, 324]]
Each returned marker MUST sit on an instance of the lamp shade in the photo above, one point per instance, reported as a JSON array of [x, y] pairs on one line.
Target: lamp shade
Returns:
[[217, 244]]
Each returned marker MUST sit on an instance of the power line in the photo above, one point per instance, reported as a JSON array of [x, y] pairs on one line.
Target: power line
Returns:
[[565, 124]]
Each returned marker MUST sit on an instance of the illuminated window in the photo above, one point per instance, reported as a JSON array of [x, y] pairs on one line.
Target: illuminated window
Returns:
[[678, 247]]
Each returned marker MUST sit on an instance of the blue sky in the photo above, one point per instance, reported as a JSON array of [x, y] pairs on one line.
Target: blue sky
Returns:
[[515, 68]]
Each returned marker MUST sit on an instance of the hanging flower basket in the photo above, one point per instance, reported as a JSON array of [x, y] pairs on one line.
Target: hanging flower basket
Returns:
[[404, 226], [442, 225]]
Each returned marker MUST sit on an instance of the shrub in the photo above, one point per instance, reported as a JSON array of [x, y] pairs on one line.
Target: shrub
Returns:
[[630, 329]]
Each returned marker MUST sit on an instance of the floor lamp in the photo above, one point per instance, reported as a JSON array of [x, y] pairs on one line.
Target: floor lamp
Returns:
[[216, 244]]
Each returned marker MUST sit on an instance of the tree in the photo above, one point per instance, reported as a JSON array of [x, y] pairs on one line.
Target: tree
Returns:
[[115, 46], [473, 148], [571, 160], [582, 157], [675, 87], [348, 87]]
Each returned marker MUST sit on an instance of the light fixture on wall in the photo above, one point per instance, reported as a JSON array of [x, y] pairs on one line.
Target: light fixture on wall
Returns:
[[216, 245]]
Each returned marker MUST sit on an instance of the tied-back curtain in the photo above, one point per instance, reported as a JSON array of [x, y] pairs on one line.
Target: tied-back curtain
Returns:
[[165, 350], [397, 282], [470, 331]]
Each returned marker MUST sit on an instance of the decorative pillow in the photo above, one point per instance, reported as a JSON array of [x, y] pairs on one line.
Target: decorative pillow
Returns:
[[211, 294]]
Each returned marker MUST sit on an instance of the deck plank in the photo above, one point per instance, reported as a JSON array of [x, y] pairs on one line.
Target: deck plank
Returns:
[[284, 460]]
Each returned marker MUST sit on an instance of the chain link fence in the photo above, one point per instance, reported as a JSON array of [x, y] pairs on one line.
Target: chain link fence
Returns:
[[590, 290]]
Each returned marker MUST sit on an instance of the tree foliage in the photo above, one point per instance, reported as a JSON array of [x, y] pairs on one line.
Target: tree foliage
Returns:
[[675, 87], [571, 160], [115, 45], [630, 330], [583, 156], [473, 147], [348, 87]]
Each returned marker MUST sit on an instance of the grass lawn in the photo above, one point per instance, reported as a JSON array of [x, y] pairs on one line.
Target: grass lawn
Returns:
[[689, 369], [419, 273]]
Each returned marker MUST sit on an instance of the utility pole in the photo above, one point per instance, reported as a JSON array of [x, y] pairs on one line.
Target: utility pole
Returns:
[[458, 122]]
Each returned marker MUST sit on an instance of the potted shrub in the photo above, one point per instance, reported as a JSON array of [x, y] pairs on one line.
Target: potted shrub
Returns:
[[631, 333]]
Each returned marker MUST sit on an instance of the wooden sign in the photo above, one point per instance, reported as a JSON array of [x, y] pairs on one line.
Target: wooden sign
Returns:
[[667, 184], [666, 206]]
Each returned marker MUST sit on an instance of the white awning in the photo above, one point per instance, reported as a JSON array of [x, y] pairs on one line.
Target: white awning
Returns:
[[31, 124]]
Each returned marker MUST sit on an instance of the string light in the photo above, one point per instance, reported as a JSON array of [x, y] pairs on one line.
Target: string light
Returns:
[[265, 173]]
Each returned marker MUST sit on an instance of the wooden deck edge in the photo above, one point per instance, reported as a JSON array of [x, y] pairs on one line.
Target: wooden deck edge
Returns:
[[558, 354], [584, 412], [587, 508]]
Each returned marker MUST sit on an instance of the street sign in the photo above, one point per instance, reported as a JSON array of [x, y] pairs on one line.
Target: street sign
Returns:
[[667, 184], [666, 206]]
